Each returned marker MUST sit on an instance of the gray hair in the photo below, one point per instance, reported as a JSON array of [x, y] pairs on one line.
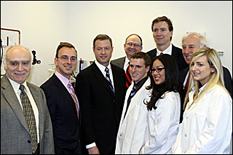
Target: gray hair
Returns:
[[7, 49], [202, 39]]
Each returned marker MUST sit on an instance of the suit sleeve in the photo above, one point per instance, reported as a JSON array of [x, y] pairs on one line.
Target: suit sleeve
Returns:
[[48, 133], [227, 80], [83, 90]]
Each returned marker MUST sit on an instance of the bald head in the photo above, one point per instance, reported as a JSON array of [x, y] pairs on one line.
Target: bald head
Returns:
[[17, 63]]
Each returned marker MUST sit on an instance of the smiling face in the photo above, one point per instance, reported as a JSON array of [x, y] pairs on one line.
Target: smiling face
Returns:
[[158, 72], [66, 61], [18, 64], [138, 69], [132, 45], [103, 51], [201, 70], [161, 34], [189, 45]]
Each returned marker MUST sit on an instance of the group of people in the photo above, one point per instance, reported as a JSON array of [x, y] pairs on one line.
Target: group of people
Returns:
[[167, 100]]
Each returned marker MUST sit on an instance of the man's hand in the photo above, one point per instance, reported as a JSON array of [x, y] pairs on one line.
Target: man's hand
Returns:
[[93, 150]]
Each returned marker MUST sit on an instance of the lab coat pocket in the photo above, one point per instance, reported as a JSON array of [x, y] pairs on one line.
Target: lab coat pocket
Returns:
[[200, 123]]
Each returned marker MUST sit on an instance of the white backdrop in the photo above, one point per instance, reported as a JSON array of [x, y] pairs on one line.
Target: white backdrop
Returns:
[[43, 24]]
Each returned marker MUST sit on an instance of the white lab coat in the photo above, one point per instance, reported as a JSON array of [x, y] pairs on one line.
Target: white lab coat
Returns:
[[207, 125], [163, 125], [130, 136]]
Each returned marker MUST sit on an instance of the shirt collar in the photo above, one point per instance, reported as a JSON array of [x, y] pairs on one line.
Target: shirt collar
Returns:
[[16, 85], [102, 67], [140, 83], [62, 78], [166, 51]]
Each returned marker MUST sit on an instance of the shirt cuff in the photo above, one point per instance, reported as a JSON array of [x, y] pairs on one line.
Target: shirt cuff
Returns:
[[90, 145]]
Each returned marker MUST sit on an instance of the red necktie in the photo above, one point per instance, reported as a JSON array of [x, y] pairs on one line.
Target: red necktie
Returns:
[[128, 77], [187, 83]]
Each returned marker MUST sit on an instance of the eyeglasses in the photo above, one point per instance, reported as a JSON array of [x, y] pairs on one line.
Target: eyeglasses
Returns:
[[65, 58], [132, 44], [158, 70]]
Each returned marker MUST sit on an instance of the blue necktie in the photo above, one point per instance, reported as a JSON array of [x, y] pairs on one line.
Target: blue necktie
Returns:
[[108, 78], [132, 93]]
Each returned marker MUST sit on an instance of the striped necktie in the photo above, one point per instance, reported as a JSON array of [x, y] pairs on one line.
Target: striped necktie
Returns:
[[132, 93], [72, 93], [128, 77], [108, 78], [29, 117]]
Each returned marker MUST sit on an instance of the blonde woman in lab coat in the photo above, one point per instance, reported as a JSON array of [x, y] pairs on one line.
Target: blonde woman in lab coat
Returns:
[[163, 107], [207, 120]]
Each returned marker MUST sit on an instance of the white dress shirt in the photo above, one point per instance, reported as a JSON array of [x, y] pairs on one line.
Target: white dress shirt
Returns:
[[16, 86], [166, 51]]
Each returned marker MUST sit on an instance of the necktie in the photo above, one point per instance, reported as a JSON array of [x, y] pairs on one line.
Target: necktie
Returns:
[[132, 93], [161, 53], [187, 83], [72, 93], [108, 78], [128, 77], [29, 117]]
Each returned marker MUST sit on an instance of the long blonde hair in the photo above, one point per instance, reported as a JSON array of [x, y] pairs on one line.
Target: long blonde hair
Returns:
[[215, 78]]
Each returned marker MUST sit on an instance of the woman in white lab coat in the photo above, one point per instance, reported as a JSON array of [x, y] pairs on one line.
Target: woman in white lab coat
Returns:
[[163, 107], [207, 119]]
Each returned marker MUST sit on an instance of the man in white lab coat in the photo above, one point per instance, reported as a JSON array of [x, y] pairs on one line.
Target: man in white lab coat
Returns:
[[130, 136]]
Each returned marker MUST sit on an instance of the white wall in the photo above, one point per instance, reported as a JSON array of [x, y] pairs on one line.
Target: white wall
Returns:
[[44, 24]]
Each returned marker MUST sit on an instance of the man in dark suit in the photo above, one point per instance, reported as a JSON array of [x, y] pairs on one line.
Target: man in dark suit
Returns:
[[133, 44], [190, 42], [162, 29], [21, 134], [63, 105], [101, 97]]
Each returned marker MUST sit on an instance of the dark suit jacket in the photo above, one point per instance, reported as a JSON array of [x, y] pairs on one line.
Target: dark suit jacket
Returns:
[[15, 137], [66, 126], [119, 62], [176, 53], [226, 77], [100, 107]]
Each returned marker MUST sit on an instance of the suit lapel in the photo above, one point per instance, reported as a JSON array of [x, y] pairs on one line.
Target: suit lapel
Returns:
[[99, 76], [13, 101], [64, 92]]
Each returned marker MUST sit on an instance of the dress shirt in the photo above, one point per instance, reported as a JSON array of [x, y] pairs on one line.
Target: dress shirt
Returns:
[[126, 63], [185, 80], [166, 51], [16, 86], [140, 84], [65, 82], [102, 69]]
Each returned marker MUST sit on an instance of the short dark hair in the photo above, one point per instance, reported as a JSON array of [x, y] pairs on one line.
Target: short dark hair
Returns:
[[163, 18], [102, 37], [134, 35], [64, 44], [142, 55]]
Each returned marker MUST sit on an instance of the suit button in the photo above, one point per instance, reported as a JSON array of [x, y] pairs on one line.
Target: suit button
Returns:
[[29, 141]]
